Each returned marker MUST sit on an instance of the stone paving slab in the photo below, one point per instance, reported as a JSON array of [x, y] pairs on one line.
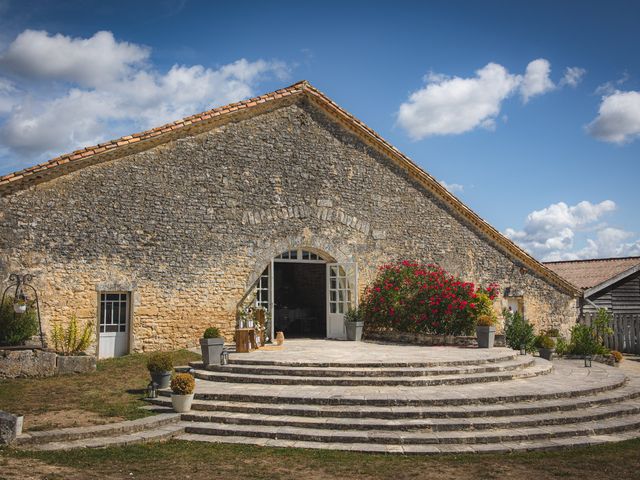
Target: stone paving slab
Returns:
[[568, 378], [327, 353], [157, 434], [506, 447], [521, 361], [78, 433]]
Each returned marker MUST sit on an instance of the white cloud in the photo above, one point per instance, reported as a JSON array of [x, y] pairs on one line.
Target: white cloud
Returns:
[[103, 88], [456, 105], [572, 76], [87, 61], [448, 105], [553, 228], [536, 79], [550, 233], [618, 119], [452, 187]]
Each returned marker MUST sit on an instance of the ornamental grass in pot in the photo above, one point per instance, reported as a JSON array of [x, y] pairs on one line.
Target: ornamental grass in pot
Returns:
[[182, 388], [160, 365], [354, 324], [546, 346], [486, 331], [211, 346]]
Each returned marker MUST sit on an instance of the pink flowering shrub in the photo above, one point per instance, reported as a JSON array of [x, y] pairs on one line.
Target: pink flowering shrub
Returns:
[[415, 297]]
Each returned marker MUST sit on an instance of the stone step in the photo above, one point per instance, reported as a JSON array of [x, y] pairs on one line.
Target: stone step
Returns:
[[252, 359], [599, 427], [79, 433], [156, 434], [631, 407], [540, 368], [294, 371], [430, 449], [621, 394]]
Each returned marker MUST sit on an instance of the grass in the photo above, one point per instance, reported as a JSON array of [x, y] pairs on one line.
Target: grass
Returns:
[[115, 389], [195, 460]]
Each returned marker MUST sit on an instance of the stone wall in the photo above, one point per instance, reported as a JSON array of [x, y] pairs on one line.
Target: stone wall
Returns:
[[187, 226]]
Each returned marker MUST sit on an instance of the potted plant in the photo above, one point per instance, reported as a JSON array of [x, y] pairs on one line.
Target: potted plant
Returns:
[[160, 365], [546, 346], [354, 324], [617, 357], [182, 387], [211, 346], [486, 331]]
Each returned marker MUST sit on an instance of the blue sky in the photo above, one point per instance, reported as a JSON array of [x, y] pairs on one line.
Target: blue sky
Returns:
[[529, 112]]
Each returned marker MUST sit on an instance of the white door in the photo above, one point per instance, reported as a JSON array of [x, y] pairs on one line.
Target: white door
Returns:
[[114, 324], [342, 292]]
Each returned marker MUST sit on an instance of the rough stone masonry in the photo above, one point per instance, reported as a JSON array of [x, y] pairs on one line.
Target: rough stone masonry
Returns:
[[188, 225]]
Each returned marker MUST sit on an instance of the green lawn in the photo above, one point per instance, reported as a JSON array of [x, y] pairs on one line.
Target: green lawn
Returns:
[[114, 391], [193, 460]]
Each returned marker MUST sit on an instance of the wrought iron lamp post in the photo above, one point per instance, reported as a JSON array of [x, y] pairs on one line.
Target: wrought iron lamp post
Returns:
[[21, 285]]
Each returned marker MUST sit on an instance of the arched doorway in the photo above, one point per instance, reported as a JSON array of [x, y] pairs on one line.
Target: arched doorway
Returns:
[[307, 293]]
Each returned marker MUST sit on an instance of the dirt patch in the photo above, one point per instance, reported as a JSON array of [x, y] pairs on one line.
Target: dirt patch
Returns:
[[65, 419]]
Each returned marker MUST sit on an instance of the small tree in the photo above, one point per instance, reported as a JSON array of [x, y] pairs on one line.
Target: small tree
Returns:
[[518, 332]]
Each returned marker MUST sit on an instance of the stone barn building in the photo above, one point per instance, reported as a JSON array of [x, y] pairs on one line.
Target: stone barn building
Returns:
[[285, 197]]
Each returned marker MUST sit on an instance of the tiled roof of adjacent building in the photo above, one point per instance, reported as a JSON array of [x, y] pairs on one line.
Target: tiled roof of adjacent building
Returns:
[[590, 273], [219, 116]]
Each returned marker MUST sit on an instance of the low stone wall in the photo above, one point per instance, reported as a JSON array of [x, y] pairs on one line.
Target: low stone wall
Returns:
[[421, 339], [41, 363]]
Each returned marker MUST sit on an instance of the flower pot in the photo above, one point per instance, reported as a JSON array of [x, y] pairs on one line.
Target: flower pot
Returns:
[[354, 330], [546, 353], [181, 403], [211, 349], [486, 336], [162, 379], [19, 308]]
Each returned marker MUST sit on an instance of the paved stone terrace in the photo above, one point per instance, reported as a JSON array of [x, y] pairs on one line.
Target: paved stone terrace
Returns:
[[337, 352]]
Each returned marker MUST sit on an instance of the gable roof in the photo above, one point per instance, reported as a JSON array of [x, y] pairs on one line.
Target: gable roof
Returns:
[[235, 111], [589, 274]]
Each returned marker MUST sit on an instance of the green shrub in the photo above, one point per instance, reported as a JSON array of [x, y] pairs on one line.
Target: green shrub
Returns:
[[545, 341], [212, 332], [562, 347], [585, 341], [160, 362], [183, 384], [518, 332], [72, 340], [15, 328]]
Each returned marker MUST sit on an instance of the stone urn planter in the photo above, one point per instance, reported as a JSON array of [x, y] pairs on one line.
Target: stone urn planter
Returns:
[[546, 353], [160, 365], [354, 330], [486, 335], [182, 403], [211, 349], [182, 388]]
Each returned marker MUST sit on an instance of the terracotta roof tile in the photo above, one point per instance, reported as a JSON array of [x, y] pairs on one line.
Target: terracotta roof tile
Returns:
[[589, 273]]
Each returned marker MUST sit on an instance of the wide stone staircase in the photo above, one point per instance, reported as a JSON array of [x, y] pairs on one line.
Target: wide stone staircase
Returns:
[[494, 403]]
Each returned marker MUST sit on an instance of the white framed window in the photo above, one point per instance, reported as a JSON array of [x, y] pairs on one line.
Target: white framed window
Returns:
[[300, 255], [114, 312], [262, 290]]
